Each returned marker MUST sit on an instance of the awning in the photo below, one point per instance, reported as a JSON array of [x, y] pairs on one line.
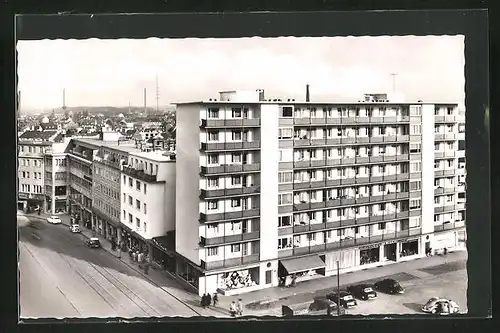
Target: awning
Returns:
[[296, 265]]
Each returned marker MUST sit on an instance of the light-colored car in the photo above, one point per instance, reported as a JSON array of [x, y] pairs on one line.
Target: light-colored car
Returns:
[[75, 228], [54, 220], [441, 306]]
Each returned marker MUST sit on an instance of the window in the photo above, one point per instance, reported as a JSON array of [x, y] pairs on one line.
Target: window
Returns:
[[212, 251], [130, 200], [284, 243], [340, 232], [285, 199], [137, 204], [415, 204], [236, 180], [381, 188], [285, 133], [285, 177], [415, 148], [415, 129], [416, 185], [213, 136], [236, 135], [124, 197], [436, 218], [212, 205], [137, 222], [287, 111], [145, 209], [437, 200], [236, 158], [213, 113], [145, 226], [130, 182], [235, 248], [236, 112], [284, 221], [138, 185], [235, 203], [145, 189], [436, 164], [213, 182], [381, 226], [415, 166], [415, 111], [382, 206], [124, 214], [130, 218], [213, 158], [449, 198]]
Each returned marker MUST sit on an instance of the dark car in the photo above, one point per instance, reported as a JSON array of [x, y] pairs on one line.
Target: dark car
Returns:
[[362, 291], [324, 304], [346, 299], [93, 243], [389, 286]]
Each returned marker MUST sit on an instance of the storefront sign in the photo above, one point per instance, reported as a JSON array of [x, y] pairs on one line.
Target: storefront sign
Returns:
[[408, 240], [372, 246], [368, 247]]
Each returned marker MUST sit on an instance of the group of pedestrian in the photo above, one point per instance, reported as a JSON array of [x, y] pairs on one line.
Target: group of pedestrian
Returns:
[[236, 309], [207, 300]]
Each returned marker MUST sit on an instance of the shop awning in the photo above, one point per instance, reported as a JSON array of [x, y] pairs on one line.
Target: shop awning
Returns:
[[296, 265]]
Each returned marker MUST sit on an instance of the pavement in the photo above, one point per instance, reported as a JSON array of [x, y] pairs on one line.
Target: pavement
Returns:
[[411, 274]]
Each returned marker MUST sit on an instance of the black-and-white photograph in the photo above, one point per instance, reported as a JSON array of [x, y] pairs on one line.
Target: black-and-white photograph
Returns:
[[240, 177]]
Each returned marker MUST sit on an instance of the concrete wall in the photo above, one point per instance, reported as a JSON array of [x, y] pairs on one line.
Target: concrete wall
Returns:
[[427, 168], [269, 167], [187, 177], [169, 197]]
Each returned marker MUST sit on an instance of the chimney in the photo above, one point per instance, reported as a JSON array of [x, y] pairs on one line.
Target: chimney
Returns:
[[144, 99], [307, 93]]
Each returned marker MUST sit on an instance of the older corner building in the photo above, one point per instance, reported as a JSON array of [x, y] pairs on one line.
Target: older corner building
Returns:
[[268, 190]]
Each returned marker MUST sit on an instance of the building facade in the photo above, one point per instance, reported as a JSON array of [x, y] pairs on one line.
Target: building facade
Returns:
[[56, 179], [281, 190], [147, 198]]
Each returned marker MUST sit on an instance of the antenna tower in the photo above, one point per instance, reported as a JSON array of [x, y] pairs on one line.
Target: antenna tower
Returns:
[[157, 94]]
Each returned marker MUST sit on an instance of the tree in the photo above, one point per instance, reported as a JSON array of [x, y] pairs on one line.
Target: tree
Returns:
[[168, 124]]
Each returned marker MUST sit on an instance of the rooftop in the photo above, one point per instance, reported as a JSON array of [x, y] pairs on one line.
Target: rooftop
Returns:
[[38, 135], [286, 102], [125, 147], [157, 156]]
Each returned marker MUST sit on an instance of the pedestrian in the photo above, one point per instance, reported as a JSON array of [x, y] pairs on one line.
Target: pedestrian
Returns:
[[215, 299], [204, 301], [239, 307], [209, 299], [232, 309]]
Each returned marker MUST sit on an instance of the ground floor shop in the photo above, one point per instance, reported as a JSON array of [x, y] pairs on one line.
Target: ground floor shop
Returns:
[[31, 203], [447, 240]]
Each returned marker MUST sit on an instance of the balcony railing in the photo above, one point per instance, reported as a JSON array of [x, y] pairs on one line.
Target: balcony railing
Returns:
[[244, 145], [445, 119], [303, 164], [444, 190], [139, 174], [230, 215], [445, 209], [449, 226], [444, 173], [253, 258], [349, 242], [350, 120], [248, 236], [445, 137], [113, 164], [327, 183], [230, 168], [228, 192], [221, 123]]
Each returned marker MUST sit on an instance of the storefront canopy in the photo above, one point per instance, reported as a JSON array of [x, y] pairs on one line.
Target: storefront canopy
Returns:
[[296, 265]]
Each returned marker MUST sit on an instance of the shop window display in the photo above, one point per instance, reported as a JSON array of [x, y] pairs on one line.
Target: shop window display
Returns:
[[238, 279], [409, 248], [369, 256]]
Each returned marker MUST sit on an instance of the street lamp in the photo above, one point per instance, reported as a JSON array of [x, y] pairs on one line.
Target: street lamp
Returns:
[[338, 287]]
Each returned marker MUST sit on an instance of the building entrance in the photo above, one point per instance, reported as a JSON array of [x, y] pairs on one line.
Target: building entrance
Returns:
[[390, 251]]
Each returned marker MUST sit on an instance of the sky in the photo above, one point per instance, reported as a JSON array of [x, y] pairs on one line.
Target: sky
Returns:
[[96, 72]]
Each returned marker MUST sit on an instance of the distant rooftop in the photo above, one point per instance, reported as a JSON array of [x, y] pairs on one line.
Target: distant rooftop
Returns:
[[158, 156], [38, 135], [122, 146]]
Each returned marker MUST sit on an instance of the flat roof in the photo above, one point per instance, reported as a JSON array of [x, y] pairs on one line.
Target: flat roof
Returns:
[[158, 156], [315, 103], [109, 144]]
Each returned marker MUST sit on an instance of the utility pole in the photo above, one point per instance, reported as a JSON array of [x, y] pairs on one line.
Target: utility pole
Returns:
[[394, 81], [338, 288], [157, 94]]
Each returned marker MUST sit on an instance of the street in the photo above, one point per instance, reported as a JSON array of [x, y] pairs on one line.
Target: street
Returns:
[[60, 277]]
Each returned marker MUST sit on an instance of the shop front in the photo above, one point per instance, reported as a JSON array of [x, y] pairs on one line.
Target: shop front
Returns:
[[163, 252], [369, 254], [295, 270], [230, 282], [409, 247], [61, 206], [30, 203], [445, 240], [188, 273], [346, 260], [133, 241]]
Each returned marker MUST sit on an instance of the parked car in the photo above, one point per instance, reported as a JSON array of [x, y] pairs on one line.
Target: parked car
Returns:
[[389, 286], [323, 303], [362, 291], [54, 220], [75, 228], [441, 306], [93, 243], [320, 306], [346, 299]]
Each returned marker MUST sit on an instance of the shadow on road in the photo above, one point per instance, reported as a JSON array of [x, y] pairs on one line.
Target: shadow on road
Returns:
[[414, 307], [59, 239]]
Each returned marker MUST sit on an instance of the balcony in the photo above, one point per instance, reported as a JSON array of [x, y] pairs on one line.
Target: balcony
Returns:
[[228, 123], [351, 160], [220, 146], [228, 192], [250, 259], [229, 215], [140, 174], [444, 209], [444, 173], [230, 168], [449, 226], [444, 119], [445, 137], [348, 242], [211, 241], [113, 164], [444, 190]]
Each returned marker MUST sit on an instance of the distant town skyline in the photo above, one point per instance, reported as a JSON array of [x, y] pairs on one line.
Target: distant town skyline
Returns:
[[114, 73]]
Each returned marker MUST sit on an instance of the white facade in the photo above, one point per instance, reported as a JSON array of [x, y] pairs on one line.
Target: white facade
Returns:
[[148, 194]]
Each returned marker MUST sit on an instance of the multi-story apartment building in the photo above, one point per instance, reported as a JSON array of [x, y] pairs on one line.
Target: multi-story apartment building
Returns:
[[277, 190], [80, 155], [56, 179], [32, 147], [148, 197]]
